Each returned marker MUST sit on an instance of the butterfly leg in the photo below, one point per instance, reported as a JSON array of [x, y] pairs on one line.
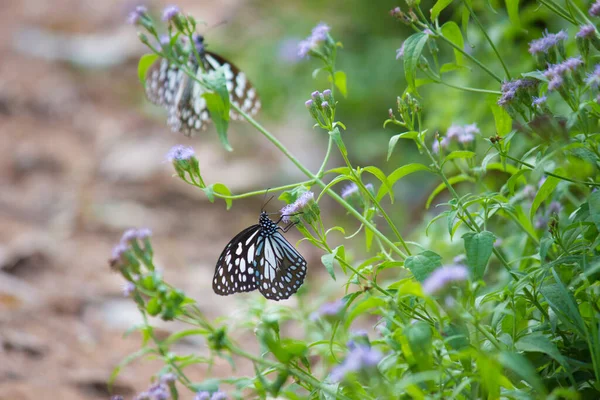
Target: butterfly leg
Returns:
[[287, 228]]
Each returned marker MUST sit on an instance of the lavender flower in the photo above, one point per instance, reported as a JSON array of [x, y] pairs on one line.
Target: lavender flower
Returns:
[[443, 277], [443, 143], [511, 88], [472, 129], [159, 391], [288, 50], [360, 358], [595, 9], [400, 52], [309, 103], [116, 397], [318, 36], [454, 131], [555, 83], [586, 32], [460, 259], [136, 15], [218, 396], [529, 191], [169, 377], [349, 190], [128, 288], [296, 207], [329, 310], [395, 12], [548, 41], [118, 251], [180, 153], [554, 207], [468, 135], [135, 234], [593, 79], [538, 101], [540, 223], [202, 396], [555, 71], [170, 12]]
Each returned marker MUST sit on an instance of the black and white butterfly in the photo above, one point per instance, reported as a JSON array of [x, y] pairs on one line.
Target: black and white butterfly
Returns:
[[259, 257], [168, 86]]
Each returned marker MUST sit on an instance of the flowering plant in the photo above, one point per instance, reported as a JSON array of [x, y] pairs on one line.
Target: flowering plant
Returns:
[[510, 309]]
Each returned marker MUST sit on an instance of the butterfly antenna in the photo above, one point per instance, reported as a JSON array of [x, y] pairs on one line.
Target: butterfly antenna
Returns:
[[262, 209]]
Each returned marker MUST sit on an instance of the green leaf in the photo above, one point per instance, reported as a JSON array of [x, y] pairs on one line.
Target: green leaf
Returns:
[[452, 32], [523, 368], [224, 190], [376, 172], [394, 140], [413, 47], [438, 7], [459, 154], [501, 117], [130, 358], [594, 206], [339, 80], [539, 343], [563, 304], [399, 174], [478, 247], [423, 264], [337, 138], [440, 188], [145, 62], [209, 385], [327, 259], [512, 7], [218, 104], [542, 194]]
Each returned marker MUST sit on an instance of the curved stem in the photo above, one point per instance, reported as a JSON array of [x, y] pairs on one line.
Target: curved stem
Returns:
[[262, 192], [555, 8], [466, 3], [470, 57], [318, 181], [438, 79]]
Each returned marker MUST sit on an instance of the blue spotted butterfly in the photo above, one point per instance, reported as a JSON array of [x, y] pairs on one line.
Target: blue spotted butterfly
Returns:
[[259, 257]]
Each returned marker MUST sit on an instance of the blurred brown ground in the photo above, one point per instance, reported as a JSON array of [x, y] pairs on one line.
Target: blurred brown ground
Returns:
[[82, 160]]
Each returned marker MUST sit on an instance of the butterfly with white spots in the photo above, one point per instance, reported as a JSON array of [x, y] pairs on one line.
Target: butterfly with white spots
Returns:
[[167, 85], [260, 258]]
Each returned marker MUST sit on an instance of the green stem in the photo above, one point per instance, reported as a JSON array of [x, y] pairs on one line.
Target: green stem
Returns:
[[564, 178], [470, 57], [438, 79], [466, 3], [558, 11], [319, 182], [262, 192]]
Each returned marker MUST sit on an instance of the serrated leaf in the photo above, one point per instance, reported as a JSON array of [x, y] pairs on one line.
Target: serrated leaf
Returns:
[[594, 207], [423, 264], [542, 194], [218, 104], [224, 190], [400, 173], [327, 259], [478, 247], [452, 32], [440, 188], [563, 304], [501, 117], [438, 7], [145, 62], [459, 154], [394, 140], [539, 343], [512, 7], [413, 47], [339, 80]]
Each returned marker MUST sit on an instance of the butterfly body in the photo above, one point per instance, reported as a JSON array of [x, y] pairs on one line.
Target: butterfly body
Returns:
[[167, 85], [260, 258]]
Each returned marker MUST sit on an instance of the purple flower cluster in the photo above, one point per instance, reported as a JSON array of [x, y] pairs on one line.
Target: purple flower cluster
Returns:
[[595, 9], [159, 391], [328, 310], [510, 89], [538, 101], [207, 396], [463, 134], [124, 244], [557, 72], [128, 288], [548, 41], [352, 189], [180, 153], [136, 15], [586, 32], [593, 79], [443, 277], [170, 12], [400, 52], [317, 36], [304, 200], [360, 358]]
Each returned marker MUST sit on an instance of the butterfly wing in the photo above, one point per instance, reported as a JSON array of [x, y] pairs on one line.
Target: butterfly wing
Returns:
[[236, 269], [168, 86], [283, 268], [241, 91]]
